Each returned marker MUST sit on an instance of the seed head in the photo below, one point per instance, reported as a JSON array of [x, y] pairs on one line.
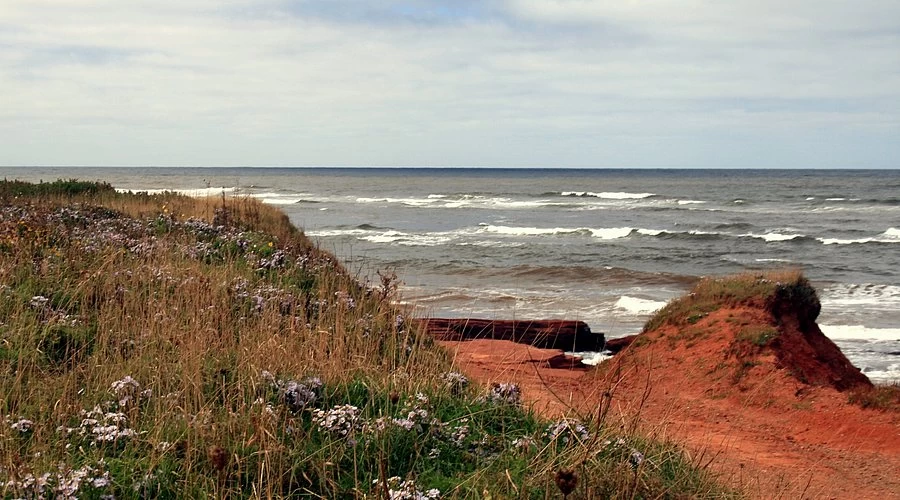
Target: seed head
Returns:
[[218, 457], [566, 481]]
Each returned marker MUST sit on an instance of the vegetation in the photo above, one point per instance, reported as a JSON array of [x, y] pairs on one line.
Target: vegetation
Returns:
[[712, 294], [162, 346], [880, 397]]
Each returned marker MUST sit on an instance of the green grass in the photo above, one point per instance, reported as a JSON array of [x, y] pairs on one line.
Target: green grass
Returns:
[[712, 294], [162, 346]]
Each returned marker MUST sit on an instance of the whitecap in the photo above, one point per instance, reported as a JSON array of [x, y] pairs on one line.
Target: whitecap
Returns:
[[609, 195], [691, 202], [771, 237], [891, 235], [591, 358], [636, 305], [611, 233], [860, 332], [281, 201], [529, 231]]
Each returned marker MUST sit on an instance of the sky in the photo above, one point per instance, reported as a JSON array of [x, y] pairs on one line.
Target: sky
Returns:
[[499, 83]]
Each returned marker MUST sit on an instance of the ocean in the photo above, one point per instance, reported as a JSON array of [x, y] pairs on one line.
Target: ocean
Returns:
[[607, 246]]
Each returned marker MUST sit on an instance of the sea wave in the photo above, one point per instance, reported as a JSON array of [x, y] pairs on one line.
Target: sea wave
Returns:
[[892, 235], [635, 305], [773, 236], [615, 276], [609, 233], [609, 195], [860, 332], [868, 295]]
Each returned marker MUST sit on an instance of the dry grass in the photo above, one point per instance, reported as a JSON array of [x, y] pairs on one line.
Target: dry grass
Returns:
[[163, 346]]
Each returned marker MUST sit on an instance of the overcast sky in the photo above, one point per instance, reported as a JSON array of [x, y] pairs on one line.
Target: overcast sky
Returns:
[[626, 83]]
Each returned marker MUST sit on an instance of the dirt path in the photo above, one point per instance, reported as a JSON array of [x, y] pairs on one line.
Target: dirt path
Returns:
[[775, 438]]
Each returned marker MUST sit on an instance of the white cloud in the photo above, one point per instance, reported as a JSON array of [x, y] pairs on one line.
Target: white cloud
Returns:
[[565, 82]]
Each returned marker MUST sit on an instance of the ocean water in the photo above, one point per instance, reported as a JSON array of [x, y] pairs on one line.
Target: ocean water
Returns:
[[605, 246]]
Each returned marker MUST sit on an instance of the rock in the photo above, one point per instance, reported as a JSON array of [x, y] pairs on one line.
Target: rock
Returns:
[[616, 345], [544, 334]]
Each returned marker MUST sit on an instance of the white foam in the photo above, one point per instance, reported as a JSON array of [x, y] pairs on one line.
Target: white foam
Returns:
[[281, 201], [651, 232], [890, 375], [611, 233], [412, 202], [770, 237], [636, 305], [609, 195], [859, 332], [407, 239], [492, 244], [194, 193], [527, 231], [891, 235], [591, 358], [843, 296], [337, 232], [691, 202]]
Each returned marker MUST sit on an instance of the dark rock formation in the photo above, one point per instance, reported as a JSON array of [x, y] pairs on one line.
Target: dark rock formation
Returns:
[[803, 349], [616, 345], [544, 334]]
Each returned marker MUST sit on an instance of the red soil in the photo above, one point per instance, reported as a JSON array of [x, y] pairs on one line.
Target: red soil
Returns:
[[733, 404]]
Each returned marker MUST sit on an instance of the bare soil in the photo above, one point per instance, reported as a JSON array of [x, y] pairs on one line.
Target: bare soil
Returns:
[[745, 414]]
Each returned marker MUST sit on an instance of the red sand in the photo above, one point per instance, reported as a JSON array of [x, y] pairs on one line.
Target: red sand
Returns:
[[760, 428]]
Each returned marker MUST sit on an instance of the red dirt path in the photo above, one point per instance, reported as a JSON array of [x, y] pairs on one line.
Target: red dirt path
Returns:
[[763, 431]]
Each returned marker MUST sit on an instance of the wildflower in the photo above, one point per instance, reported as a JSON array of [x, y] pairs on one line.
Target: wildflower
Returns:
[[456, 382], [38, 301], [128, 390], [636, 459], [296, 395], [505, 393], [405, 490], [567, 428], [340, 420], [523, 443], [460, 433], [23, 425]]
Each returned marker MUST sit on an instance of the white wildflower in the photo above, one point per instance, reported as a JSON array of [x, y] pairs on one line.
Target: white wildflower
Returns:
[[505, 393], [567, 429], [23, 425]]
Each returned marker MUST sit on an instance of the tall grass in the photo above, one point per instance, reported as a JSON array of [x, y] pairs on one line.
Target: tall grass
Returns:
[[163, 346]]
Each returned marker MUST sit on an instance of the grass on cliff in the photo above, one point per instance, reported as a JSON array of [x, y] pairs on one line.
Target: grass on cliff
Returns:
[[711, 294], [163, 346]]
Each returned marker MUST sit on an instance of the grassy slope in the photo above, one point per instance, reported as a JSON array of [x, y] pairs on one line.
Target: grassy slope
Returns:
[[162, 346]]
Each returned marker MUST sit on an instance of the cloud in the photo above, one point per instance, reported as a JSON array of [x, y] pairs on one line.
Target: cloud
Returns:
[[514, 82]]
